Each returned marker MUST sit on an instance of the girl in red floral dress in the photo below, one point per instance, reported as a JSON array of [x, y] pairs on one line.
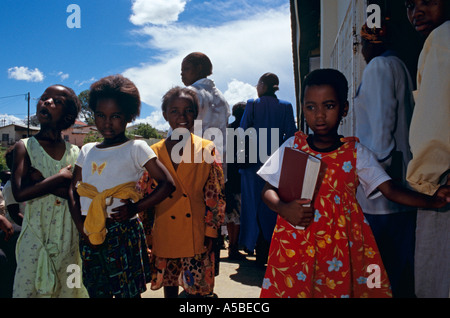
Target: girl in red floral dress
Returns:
[[336, 255]]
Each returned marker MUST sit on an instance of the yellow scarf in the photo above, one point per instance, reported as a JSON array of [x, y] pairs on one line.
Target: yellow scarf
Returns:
[[94, 225]]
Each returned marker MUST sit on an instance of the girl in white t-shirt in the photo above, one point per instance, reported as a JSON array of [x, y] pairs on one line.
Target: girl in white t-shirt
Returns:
[[336, 255], [104, 199]]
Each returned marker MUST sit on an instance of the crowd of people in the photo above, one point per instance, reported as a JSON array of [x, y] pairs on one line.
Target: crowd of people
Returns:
[[130, 215]]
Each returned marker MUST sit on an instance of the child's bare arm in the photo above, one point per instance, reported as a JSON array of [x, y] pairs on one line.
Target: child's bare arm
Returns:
[[404, 196], [15, 213], [74, 200], [20, 177], [294, 212], [34, 176], [6, 227], [164, 188]]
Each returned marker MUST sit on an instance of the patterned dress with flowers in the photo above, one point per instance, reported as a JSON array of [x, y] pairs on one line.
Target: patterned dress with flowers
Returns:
[[336, 255], [195, 273]]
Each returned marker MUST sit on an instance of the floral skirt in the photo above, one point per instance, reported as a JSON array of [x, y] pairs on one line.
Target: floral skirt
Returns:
[[340, 262], [194, 274], [120, 267]]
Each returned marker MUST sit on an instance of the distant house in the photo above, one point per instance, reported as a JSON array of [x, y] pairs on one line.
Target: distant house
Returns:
[[14, 132], [76, 134]]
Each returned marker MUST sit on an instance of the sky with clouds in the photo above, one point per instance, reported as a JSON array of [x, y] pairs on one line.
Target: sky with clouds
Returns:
[[145, 40]]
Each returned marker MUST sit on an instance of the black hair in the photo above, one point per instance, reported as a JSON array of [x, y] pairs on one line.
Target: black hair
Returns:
[[122, 90], [327, 76], [180, 92], [272, 82], [238, 110], [200, 59]]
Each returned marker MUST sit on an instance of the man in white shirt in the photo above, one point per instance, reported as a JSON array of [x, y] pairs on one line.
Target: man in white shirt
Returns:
[[384, 106]]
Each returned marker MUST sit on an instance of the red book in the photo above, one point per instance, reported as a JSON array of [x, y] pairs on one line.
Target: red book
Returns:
[[300, 177]]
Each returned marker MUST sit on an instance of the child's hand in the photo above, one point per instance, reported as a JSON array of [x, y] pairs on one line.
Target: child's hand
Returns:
[[441, 197], [66, 172], [6, 227], [296, 213], [85, 239], [83, 236], [124, 212]]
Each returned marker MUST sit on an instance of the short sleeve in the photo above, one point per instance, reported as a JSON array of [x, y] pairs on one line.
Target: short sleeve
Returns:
[[83, 152], [370, 173], [271, 169], [144, 153]]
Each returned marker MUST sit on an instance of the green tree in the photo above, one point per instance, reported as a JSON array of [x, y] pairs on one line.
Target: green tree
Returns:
[[3, 166], [86, 112], [146, 131], [93, 136], [34, 121]]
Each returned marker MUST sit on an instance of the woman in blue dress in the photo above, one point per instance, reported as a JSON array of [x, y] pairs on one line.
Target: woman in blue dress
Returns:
[[271, 118]]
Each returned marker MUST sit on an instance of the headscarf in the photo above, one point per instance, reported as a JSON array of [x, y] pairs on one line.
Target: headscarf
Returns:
[[374, 35]]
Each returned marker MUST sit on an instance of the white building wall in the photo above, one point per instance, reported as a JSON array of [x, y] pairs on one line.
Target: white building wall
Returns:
[[329, 25], [341, 21], [9, 130]]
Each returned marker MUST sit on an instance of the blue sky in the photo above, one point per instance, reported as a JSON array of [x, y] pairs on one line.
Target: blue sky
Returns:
[[144, 40]]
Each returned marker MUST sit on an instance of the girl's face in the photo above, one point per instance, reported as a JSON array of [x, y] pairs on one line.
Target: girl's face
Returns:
[[111, 122], [425, 15], [189, 74], [50, 108], [180, 113], [322, 110]]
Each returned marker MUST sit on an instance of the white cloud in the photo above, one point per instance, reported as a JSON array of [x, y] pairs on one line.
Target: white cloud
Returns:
[[63, 76], [22, 73], [6, 119], [81, 83], [240, 50], [155, 119], [159, 12], [239, 92]]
